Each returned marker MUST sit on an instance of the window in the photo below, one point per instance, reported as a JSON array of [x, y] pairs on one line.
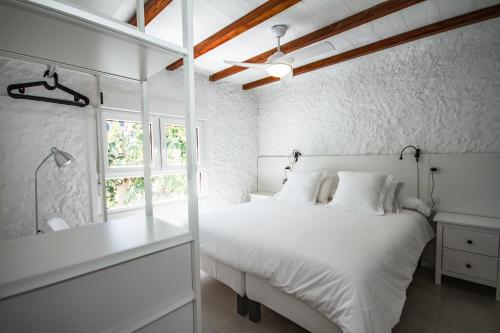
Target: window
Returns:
[[175, 144], [124, 159]]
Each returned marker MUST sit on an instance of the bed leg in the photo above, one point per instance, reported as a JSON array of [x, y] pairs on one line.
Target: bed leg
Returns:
[[253, 311], [241, 305]]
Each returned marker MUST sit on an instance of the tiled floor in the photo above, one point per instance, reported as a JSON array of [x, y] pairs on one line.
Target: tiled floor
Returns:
[[455, 307]]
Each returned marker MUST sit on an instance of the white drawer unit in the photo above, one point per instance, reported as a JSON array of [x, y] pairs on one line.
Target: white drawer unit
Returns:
[[470, 241], [137, 275], [468, 264], [467, 247]]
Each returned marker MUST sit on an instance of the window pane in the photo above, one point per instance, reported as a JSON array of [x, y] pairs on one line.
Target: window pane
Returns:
[[169, 186], [175, 138], [124, 143], [129, 191], [124, 192]]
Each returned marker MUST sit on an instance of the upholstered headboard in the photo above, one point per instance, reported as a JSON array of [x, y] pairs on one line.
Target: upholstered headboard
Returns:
[[465, 183]]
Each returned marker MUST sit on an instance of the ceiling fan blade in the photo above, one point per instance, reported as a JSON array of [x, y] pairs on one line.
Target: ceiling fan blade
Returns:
[[247, 64], [286, 81], [313, 52]]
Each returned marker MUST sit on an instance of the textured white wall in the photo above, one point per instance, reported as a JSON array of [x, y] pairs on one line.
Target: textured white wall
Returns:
[[441, 93], [27, 130]]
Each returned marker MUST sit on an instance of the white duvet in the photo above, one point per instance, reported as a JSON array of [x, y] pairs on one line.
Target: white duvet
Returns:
[[353, 268]]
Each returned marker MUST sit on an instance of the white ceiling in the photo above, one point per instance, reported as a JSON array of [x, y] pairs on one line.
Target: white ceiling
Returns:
[[308, 15]]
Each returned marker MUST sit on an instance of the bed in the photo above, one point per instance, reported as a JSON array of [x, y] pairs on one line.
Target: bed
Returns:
[[325, 269]]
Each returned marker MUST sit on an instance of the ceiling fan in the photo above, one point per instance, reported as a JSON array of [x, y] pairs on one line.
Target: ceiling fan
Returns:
[[278, 65]]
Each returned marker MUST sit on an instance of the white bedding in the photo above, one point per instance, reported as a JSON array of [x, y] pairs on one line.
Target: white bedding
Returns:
[[353, 268]]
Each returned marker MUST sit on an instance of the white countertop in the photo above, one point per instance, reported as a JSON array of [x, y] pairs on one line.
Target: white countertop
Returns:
[[468, 220], [32, 262]]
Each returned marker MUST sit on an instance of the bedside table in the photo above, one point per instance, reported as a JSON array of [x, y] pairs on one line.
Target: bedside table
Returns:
[[261, 195], [467, 247]]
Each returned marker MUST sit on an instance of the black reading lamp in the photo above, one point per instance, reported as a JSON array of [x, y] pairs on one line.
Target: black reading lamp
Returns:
[[293, 158], [417, 152]]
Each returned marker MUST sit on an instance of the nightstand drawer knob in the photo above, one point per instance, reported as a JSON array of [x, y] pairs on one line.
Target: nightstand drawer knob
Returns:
[[468, 265], [469, 241]]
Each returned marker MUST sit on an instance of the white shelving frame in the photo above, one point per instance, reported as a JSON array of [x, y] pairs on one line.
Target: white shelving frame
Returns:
[[137, 38]]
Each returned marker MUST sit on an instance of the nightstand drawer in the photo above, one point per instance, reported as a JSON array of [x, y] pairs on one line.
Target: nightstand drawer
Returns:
[[470, 241], [471, 265]]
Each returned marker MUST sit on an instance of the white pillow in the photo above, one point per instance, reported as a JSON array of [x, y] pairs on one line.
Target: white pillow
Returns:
[[417, 205], [361, 192], [301, 187], [326, 188], [392, 197]]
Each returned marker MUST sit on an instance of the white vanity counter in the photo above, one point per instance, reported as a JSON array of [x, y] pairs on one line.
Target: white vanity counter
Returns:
[[36, 261], [126, 275]]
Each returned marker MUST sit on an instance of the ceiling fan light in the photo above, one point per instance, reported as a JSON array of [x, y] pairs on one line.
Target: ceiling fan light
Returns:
[[279, 70]]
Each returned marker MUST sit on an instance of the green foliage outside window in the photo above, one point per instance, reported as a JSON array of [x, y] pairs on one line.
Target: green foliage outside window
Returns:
[[129, 191], [124, 143], [123, 192], [171, 186], [175, 138]]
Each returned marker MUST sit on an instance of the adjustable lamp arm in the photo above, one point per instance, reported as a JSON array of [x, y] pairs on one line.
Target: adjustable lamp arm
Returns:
[[37, 228]]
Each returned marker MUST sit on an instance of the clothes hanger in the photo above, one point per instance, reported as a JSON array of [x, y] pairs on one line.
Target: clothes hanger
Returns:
[[78, 99]]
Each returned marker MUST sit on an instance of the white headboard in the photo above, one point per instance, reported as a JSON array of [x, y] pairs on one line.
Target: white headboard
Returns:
[[465, 183]]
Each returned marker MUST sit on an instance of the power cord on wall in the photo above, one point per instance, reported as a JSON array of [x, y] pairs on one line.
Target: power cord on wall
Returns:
[[433, 183], [418, 180]]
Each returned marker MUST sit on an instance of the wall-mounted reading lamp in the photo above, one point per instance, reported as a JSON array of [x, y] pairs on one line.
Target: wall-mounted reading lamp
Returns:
[[62, 159], [417, 156], [292, 159], [417, 152]]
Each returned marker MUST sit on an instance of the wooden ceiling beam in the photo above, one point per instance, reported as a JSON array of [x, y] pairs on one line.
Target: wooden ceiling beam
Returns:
[[406, 37], [260, 14], [151, 9], [363, 17]]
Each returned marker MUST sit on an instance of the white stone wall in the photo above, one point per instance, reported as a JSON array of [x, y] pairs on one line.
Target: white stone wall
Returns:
[[232, 137], [27, 130], [440, 93]]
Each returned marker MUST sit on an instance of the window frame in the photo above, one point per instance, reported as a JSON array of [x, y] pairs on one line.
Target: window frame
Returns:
[[159, 164], [176, 121], [132, 170]]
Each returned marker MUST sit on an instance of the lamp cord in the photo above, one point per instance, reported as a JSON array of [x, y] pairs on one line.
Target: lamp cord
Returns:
[[431, 192], [418, 181]]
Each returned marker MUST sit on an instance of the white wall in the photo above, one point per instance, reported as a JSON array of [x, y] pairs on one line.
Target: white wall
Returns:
[[27, 130], [440, 93]]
